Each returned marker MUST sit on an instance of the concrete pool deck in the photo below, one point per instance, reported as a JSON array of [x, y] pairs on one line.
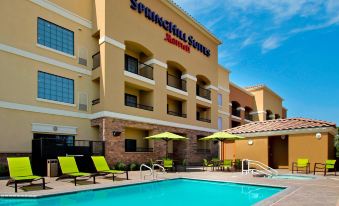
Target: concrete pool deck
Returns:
[[319, 191]]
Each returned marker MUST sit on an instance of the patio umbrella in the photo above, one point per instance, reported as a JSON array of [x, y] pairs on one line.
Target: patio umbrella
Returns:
[[222, 136], [166, 136]]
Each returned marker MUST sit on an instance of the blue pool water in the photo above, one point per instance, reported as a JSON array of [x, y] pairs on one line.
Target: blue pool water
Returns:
[[175, 192]]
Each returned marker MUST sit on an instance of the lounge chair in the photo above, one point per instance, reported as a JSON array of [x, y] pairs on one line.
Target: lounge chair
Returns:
[[226, 164], [207, 164], [20, 171], [168, 164], [102, 167], [329, 164], [301, 164], [70, 169]]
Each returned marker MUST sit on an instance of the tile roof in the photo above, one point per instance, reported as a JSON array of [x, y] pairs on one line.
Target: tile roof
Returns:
[[255, 86], [279, 125]]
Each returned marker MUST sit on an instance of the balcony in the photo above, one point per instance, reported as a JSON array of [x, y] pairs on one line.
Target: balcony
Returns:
[[178, 114], [134, 66], [204, 93], [95, 101], [176, 82], [203, 119], [136, 105], [96, 60]]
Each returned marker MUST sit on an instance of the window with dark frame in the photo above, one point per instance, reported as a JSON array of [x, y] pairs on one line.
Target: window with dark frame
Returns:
[[55, 88], [131, 100], [130, 145], [55, 36], [131, 64]]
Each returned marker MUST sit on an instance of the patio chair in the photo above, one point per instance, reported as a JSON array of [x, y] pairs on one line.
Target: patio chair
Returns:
[[102, 167], [226, 164], [329, 164], [70, 169], [207, 164], [301, 164], [20, 171], [168, 164]]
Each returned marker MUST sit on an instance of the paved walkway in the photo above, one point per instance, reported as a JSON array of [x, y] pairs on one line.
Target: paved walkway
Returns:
[[318, 191]]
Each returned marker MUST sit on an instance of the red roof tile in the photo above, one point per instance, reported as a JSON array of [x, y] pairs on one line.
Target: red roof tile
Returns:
[[279, 124]]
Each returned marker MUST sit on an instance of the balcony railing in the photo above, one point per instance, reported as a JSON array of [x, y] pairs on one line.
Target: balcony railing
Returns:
[[178, 114], [176, 82], [96, 60], [204, 93], [248, 117], [203, 119], [140, 106], [143, 70], [95, 101], [235, 112]]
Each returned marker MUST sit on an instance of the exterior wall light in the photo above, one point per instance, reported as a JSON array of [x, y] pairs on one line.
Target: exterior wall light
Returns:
[[116, 133], [250, 142], [283, 137], [318, 136]]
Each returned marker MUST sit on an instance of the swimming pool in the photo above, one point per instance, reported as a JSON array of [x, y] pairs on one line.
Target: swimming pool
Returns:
[[166, 193]]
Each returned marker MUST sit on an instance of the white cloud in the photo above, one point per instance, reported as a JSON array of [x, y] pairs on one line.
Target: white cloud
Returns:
[[270, 43]]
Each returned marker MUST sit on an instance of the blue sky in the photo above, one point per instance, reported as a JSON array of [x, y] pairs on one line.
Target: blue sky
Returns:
[[292, 46]]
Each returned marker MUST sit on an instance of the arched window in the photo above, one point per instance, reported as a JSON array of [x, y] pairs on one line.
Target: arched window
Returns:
[[248, 114], [201, 91]]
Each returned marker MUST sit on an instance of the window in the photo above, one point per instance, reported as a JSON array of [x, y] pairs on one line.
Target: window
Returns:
[[55, 37], [130, 145], [68, 139], [220, 99], [131, 64], [219, 123], [55, 88], [131, 100]]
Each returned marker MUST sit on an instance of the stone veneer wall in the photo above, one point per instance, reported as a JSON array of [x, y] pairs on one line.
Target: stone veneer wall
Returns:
[[115, 146]]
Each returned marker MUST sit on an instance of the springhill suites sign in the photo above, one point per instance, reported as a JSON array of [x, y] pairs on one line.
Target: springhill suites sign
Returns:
[[188, 41]]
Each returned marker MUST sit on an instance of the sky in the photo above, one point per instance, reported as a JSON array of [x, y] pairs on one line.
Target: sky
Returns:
[[291, 46]]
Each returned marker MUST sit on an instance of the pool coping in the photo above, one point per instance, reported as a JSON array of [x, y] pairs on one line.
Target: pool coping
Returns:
[[286, 190]]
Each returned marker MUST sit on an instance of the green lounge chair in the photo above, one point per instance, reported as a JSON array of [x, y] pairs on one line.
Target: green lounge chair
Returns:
[[20, 171], [207, 164], [101, 166], [301, 164], [70, 169], [329, 164], [226, 164], [168, 164]]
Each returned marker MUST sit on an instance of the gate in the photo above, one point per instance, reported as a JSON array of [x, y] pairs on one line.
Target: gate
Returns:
[[82, 150]]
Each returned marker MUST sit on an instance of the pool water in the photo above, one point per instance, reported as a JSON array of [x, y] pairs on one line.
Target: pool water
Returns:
[[175, 192]]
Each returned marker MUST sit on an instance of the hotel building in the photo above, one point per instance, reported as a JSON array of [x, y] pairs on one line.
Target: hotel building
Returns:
[[117, 71]]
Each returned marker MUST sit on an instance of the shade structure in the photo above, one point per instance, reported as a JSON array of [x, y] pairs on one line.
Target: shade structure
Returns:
[[166, 136], [222, 136]]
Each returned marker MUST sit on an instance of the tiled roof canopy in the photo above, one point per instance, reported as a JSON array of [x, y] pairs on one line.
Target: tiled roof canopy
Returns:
[[279, 125]]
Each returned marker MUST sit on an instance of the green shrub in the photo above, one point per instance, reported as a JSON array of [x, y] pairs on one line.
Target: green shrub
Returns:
[[134, 166], [120, 166]]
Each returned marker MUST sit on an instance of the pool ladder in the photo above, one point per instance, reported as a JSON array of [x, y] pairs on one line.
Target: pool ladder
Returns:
[[257, 168], [152, 172]]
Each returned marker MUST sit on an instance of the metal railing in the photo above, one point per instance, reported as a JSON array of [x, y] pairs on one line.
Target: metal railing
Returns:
[[148, 168], [161, 168], [248, 116], [235, 112], [96, 60], [95, 101], [203, 119], [176, 82], [140, 106], [204, 93], [256, 167], [178, 114], [143, 70]]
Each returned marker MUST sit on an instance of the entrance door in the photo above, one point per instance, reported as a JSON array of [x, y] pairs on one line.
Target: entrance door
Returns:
[[229, 152], [278, 152]]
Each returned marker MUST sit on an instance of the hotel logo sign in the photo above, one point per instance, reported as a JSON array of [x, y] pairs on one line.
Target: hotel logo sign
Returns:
[[186, 41]]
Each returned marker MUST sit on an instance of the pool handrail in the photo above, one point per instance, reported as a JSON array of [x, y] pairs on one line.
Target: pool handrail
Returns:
[[155, 174], [148, 168], [267, 170]]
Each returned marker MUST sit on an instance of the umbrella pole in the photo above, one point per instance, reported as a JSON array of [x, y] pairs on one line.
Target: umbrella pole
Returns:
[[166, 149]]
